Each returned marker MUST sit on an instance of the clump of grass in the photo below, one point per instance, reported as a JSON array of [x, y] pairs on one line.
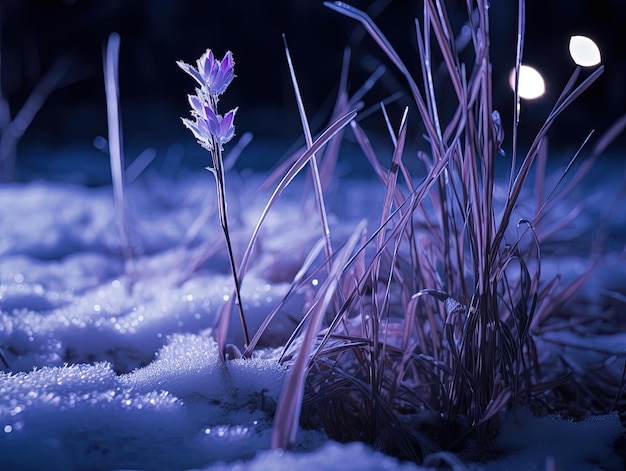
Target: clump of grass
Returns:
[[422, 331], [430, 322]]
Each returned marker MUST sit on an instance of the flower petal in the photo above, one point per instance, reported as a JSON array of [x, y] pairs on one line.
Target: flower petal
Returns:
[[229, 118], [227, 128], [224, 75], [189, 124], [205, 64], [213, 122], [196, 104], [191, 71], [228, 61], [210, 128]]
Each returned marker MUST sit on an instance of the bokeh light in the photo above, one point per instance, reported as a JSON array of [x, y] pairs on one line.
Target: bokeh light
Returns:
[[584, 51], [531, 84]]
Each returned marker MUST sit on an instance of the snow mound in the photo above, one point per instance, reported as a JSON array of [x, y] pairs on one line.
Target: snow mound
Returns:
[[184, 410], [190, 365]]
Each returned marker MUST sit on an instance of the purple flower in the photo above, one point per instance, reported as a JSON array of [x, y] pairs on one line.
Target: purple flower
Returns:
[[222, 128], [211, 129], [213, 75]]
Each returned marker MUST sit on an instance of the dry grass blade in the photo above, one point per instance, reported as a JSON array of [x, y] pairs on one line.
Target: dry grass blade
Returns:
[[297, 166], [289, 405], [317, 184], [391, 180], [519, 51], [548, 198], [116, 153], [441, 27], [601, 145]]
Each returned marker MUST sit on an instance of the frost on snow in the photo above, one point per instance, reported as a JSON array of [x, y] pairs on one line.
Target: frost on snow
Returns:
[[182, 411]]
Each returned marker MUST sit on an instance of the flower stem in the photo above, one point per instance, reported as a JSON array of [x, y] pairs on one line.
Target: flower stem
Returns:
[[218, 172]]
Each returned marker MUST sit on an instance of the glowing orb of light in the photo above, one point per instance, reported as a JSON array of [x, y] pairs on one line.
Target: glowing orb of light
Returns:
[[584, 51], [531, 84]]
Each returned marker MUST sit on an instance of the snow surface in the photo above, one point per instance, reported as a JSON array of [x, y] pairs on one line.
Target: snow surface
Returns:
[[111, 371]]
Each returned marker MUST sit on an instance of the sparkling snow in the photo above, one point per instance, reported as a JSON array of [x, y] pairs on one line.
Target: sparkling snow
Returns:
[[117, 370]]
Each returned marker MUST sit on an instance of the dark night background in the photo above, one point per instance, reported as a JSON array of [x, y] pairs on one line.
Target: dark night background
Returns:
[[156, 33]]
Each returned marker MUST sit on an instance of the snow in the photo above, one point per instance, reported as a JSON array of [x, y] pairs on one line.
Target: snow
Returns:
[[187, 408], [330, 457], [182, 410], [530, 441], [118, 371], [69, 300]]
